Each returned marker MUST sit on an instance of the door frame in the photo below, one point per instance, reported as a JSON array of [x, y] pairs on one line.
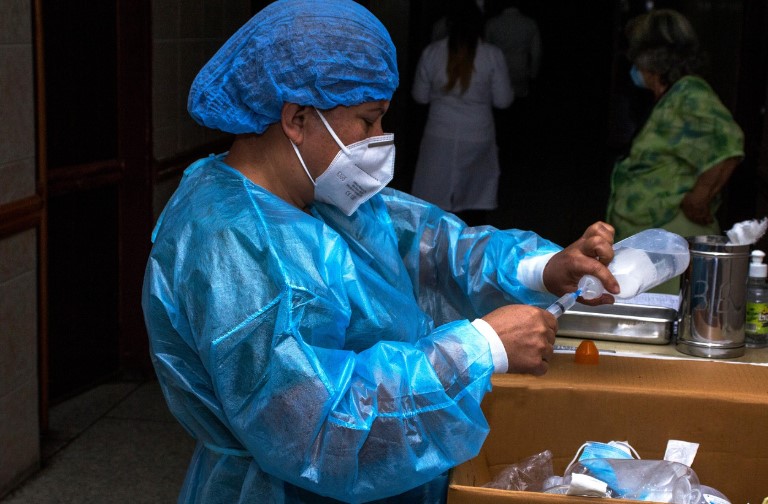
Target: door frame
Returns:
[[132, 172]]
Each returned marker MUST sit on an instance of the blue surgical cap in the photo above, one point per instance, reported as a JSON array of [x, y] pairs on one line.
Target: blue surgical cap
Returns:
[[322, 53]]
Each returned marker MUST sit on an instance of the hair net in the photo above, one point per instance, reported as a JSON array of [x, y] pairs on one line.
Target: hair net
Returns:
[[321, 53]]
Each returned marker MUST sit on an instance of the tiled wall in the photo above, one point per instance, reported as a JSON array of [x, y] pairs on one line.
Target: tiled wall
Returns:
[[17, 140], [186, 33], [19, 427]]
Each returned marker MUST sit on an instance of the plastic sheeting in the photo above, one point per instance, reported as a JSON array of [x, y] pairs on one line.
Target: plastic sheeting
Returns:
[[323, 354]]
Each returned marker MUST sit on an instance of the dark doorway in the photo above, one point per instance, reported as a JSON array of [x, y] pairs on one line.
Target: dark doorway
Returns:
[[83, 289], [95, 121], [83, 174]]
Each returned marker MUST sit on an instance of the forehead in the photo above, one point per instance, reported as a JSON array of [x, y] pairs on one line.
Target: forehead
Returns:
[[373, 107]]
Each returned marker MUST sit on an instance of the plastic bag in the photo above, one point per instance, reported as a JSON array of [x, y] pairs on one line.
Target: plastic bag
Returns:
[[529, 474], [645, 480], [711, 495]]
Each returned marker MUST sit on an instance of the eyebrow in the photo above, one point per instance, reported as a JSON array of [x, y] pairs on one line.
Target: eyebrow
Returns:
[[377, 108]]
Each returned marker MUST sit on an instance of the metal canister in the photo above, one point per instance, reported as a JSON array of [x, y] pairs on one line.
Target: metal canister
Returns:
[[713, 305]]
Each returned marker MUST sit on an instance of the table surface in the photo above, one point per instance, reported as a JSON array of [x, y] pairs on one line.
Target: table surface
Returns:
[[565, 344]]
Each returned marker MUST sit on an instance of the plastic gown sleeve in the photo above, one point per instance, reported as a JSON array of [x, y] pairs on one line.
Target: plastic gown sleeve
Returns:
[[460, 271], [355, 427]]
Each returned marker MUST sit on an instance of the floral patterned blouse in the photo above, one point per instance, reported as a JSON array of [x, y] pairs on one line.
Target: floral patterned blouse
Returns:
[[688, 132]]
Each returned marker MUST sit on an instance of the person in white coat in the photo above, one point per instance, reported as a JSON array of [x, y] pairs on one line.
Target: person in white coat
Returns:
[[462, 79]]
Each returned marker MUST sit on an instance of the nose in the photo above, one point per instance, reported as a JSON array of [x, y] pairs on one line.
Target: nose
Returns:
[[377, 129]]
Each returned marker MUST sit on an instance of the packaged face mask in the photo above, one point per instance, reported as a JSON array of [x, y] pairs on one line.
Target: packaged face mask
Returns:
[[643, 480], [598, 450], [593, 452]]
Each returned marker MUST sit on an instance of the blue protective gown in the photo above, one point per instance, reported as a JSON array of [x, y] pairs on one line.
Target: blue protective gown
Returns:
[[322, 354]]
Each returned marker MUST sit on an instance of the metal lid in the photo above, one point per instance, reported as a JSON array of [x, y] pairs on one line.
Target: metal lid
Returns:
[[715, 245]]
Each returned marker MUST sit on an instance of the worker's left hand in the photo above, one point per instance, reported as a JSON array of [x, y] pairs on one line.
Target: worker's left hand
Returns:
[[589, 255]]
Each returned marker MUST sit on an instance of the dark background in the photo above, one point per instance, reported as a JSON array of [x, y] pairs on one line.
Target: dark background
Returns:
[[586, 108]]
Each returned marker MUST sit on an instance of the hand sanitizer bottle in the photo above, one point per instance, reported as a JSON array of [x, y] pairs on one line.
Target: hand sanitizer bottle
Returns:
[[756, 329]]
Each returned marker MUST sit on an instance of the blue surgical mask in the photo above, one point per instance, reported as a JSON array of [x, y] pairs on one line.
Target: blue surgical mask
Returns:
[[613, 449], [597, 450], [637, 77], [357, 173], [596, 457]]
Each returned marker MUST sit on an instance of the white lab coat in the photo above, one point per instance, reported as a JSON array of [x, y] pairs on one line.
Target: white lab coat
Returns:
[[458, 166]]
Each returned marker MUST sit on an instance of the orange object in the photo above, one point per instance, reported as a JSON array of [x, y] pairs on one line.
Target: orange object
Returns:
[[587, 353]]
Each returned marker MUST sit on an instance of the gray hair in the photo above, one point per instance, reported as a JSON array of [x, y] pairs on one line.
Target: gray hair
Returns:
[[664, 42]]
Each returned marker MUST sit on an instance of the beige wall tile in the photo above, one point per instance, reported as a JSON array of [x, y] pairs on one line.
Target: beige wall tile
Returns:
[[17, 139], [186, 33], [165, 95], [19, 433], [192, 15], [163, 192], [190, 135], [166, 19], [19, 422], [17, 180], [164, 142], [18, 255], [213, 19], [18, 332], [15, 22]]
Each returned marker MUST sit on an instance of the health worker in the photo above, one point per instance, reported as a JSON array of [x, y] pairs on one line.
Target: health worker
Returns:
[[324, 338]]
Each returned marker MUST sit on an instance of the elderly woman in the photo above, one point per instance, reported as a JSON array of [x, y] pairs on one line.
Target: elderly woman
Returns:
[[317, 334], [690, 144]]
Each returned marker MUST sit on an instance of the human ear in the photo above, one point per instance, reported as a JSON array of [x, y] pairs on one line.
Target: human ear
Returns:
[[293, 120]]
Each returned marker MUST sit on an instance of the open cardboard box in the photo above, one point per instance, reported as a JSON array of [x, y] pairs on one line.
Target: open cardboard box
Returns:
[[722, 406]]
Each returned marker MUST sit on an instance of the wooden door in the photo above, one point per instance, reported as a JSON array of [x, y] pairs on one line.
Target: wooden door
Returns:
[[96, 100]]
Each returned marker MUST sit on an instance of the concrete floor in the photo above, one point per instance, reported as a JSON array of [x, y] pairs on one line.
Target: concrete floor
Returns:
[[116, 443]]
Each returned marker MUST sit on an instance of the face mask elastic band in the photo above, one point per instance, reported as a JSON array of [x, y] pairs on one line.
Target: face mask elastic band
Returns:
[[333, 133], [301, 160]]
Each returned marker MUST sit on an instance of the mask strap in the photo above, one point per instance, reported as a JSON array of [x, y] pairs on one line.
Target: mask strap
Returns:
[[333, 133], [573, 461], [301, 160], [627, 445]]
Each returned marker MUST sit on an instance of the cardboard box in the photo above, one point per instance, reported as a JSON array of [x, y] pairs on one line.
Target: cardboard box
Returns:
[[722, 406]]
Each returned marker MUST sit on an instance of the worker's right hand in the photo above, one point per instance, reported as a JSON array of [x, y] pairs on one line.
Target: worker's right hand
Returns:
[[528, 336]]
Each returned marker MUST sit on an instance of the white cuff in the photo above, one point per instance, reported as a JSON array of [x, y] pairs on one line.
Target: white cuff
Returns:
[[530, 271], [500, 362]]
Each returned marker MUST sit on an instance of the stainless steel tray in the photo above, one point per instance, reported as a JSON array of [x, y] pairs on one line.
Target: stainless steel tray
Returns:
[[620, 322]]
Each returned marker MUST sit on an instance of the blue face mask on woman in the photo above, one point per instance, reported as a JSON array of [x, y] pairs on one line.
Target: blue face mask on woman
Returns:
[[637, 77]]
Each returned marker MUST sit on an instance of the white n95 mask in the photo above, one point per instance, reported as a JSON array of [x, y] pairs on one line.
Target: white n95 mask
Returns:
[[357, 173]]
